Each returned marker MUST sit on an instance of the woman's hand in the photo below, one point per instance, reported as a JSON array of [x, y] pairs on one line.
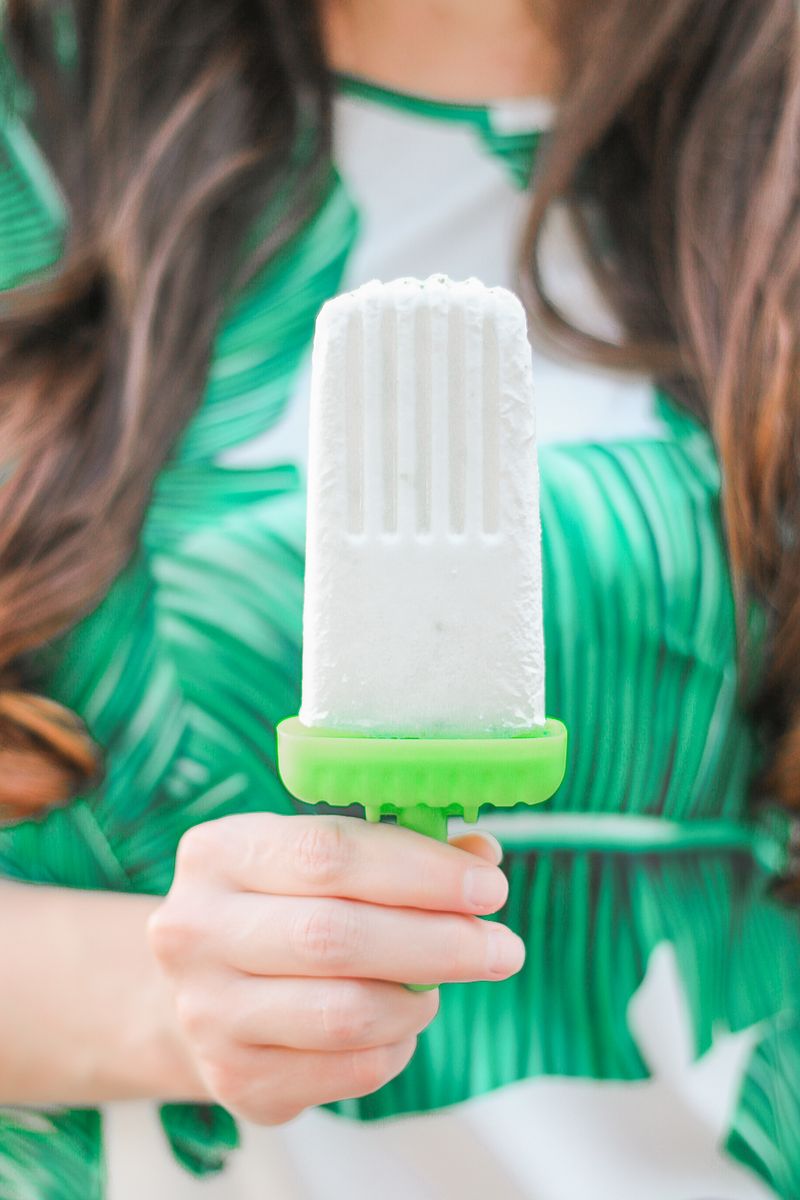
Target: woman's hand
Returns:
[[288, 940]]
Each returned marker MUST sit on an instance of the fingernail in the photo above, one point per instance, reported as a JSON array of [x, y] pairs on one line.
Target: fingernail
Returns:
[[485, 888], [496, 847], [505, 952]]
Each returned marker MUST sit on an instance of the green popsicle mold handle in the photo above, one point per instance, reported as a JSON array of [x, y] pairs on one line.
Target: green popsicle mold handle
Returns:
[[422, 781]]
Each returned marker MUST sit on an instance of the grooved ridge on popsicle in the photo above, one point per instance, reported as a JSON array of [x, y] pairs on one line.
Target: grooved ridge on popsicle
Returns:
[[423, 576]]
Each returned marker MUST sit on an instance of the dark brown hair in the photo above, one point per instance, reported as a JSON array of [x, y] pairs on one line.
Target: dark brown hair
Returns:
[[178, 125], [182, 121], [681, 165]]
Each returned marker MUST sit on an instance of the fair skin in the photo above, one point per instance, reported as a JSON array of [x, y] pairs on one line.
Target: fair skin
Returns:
[[271, 976], [461, 50], [269, 979]]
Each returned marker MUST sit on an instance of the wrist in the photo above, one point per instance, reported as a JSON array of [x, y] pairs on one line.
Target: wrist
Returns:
[[131, 1047], [168, 1065], [162, 1065], [86, 1015]]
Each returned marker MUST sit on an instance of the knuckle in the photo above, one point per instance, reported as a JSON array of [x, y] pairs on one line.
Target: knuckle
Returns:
[[348, 1016], [172, 932], [235, 1081], [257, 837], [277, 1114], [373, 1068], [194, 1015], [229, 1081], [157, 932], [325, 935], [370, 1070], [405, 1052], [198, 848], [321, 852]]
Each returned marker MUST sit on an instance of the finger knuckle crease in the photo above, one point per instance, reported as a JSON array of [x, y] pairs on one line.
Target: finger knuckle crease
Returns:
[[324, 935], [321, 853], [347, 1017]]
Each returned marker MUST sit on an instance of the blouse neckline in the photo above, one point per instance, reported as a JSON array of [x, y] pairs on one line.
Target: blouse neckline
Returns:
[[517, 114]]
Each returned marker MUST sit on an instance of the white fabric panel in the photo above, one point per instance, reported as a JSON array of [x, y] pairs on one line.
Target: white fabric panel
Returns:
[[433, 200], [542, 1139]]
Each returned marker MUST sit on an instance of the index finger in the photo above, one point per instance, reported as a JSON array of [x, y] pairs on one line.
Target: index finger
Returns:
[[348, 858]]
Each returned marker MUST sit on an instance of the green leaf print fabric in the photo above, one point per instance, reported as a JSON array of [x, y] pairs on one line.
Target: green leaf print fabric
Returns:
[[50, 1156], [186, 666]]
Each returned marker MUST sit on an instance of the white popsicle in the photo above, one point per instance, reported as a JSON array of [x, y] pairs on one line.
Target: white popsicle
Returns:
[[423, 611]]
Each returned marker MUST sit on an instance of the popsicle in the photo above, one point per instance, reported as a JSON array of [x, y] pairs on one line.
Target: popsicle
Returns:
[[423, 656]]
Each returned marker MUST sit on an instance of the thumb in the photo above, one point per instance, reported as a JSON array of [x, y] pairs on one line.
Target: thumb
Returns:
[[485, 845]]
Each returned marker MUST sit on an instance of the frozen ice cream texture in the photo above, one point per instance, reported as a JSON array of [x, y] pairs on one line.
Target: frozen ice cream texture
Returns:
[[423, 606]]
